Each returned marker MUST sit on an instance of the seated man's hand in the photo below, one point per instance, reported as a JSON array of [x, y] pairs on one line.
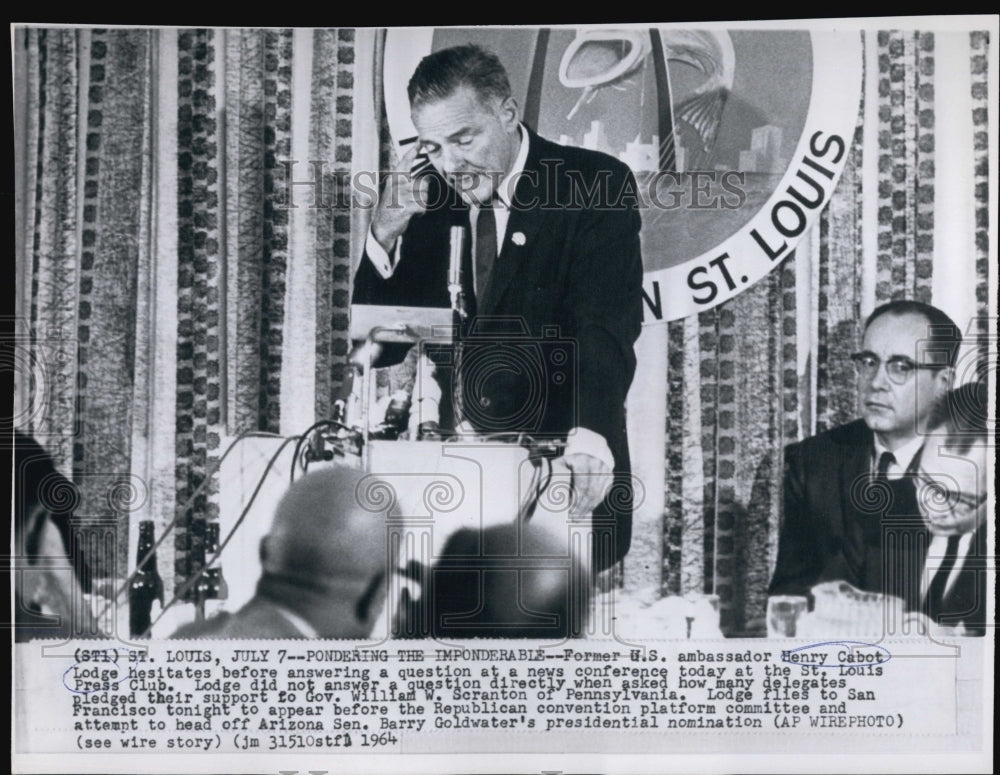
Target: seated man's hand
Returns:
[[589, 478]]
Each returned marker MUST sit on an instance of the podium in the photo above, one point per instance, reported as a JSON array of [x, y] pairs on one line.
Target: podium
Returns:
[[481, 542], [478, 550]]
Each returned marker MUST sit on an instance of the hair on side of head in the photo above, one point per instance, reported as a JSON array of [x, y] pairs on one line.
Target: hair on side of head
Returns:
[[963, 414], [942, 334], [441, 73]]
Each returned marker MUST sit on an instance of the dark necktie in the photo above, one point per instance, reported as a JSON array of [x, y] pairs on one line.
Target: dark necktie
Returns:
[[935, 592], [902, 543], [475, 276], [879, 498], [486, 247], [885, 460], [879, 502], [467, 281]]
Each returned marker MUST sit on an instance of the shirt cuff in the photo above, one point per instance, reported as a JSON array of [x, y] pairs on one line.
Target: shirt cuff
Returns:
[[588, 442], [379, 257]]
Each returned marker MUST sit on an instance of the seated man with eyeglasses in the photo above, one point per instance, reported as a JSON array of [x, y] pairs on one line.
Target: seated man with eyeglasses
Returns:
[[851, 506]]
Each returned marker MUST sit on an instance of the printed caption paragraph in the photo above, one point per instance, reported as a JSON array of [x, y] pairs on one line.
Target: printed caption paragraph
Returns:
[[340, 696]]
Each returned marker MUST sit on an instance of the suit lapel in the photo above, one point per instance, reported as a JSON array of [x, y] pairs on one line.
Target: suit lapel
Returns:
[[523, 221], [892, 567], [966, 592], [854, 469], [859, 521]]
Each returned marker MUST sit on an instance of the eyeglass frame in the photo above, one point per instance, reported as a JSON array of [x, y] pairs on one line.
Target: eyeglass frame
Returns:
[[892, 363], [931, 484]]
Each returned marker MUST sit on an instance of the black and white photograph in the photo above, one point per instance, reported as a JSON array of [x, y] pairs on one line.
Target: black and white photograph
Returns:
[[609, 398]]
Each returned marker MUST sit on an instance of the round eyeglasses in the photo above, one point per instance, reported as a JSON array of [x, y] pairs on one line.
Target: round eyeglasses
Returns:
[[898, 368]]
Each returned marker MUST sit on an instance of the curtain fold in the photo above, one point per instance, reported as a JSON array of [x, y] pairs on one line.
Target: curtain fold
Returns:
[[87, 160], [200, 262], [985, 329], [51, 244], [330, 141]]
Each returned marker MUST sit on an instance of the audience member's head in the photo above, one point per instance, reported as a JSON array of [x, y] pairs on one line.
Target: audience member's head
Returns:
[[905, 368], [532, 584], [953, 465], [52, 574], [325, 556], [323, 567]]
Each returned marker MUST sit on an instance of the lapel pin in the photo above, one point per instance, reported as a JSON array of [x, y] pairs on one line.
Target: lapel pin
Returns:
[[518, 238]]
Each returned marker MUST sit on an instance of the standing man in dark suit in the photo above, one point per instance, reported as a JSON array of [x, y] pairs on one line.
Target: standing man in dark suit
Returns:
[[554, 257], [853, 507]]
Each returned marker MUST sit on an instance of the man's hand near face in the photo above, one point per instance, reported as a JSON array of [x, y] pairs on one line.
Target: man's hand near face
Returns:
[[403, 196]]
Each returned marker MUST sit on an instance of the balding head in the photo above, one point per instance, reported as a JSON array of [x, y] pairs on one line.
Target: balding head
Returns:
[[321, 540], [954, 464]]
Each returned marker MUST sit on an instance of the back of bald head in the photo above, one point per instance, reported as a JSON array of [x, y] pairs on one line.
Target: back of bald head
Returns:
[[321, 534]]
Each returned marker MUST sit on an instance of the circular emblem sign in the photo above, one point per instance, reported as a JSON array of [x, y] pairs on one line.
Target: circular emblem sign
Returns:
[[736, 138]]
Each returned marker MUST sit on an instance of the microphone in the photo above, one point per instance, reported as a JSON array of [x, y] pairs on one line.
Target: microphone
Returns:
[[457, 245]]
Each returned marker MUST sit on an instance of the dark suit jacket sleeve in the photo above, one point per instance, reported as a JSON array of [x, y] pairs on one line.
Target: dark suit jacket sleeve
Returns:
[[369, 287], [799, 561], [414, 282], [420, 277], [605, 297]]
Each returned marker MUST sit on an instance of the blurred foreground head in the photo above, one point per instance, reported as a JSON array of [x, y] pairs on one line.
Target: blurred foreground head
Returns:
[[953, 465], [518, 580], [325, 556]]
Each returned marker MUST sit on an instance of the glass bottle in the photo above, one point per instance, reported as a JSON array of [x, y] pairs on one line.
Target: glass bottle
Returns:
[[212, 585], [146, 584]]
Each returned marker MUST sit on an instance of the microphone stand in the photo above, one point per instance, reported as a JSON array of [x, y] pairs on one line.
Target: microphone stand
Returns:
[[459, 303], [460, 310]]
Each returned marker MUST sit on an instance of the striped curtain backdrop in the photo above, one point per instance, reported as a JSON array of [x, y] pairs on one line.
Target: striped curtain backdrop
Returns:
[[186, 239], [85, 206], [157, 250], [986, 361]]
